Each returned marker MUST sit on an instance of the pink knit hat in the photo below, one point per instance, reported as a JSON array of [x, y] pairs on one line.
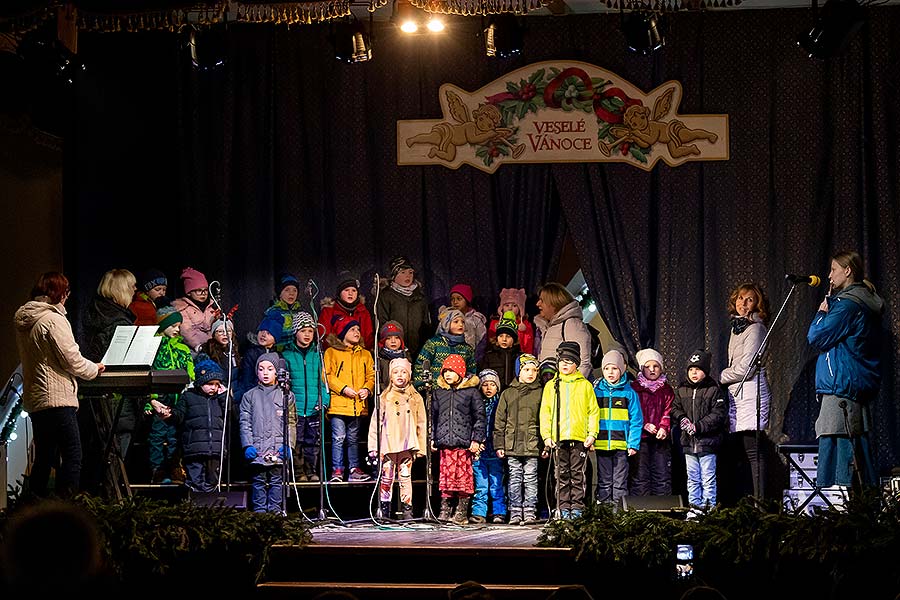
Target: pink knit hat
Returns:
[[514, 295], [193, 280], [463, 290]]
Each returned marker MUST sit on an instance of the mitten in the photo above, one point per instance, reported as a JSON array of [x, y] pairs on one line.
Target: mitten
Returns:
[[250, 452]]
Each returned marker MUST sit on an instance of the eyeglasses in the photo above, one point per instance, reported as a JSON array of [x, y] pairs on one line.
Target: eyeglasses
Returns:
[[199, 291]]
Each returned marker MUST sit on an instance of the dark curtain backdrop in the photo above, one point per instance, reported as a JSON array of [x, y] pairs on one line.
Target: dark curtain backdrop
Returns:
[[286, 160]]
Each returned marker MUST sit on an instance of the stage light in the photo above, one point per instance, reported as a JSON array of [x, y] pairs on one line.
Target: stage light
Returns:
[[435, 24], [23, 414], [645, 31], [352, 43], [503, 36], [407, 16], [207, 46], [835, 25]]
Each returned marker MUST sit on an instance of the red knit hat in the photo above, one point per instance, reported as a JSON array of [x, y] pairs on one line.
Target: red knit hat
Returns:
[[455, 363], [343, 325], [463, 290]]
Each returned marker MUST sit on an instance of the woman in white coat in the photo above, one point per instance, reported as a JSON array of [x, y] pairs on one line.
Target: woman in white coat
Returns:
[[560, 320], [748, 309]]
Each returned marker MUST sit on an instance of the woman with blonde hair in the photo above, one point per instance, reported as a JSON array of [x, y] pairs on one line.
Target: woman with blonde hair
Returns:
[[560, 320], [748, 309]]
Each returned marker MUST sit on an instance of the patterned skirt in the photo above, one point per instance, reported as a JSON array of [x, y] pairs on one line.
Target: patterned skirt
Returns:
[[456, 471]]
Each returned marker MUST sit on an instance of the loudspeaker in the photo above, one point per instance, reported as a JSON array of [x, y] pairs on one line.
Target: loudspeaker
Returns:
[[230, 499], [653, 503]]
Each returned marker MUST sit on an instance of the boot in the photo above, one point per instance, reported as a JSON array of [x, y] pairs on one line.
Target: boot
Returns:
[[446, 510], [476, 520], [529, 517], [386, 510], [461, 516], [311, 474], [515, 515], [407, 511]]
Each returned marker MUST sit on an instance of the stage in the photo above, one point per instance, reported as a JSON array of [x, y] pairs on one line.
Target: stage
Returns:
[[418, 560]]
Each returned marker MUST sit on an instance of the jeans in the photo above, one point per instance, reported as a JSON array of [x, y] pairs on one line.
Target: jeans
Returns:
[[836, 461], [523, 477], [57, 443], [344, 429], [612, 475], [265, 488], [701, 476], [488, 483]]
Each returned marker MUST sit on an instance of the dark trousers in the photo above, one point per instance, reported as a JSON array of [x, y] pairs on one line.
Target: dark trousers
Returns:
[[612, 475], [202, 472], [571, 457], [308, 440], [57, 444], [651, 468]]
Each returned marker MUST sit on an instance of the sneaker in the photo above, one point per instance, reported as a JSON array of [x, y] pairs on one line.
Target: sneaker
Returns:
[[498, 520], [313, 477], [337, 475], [515, 518], [477, 520], [357, 474]]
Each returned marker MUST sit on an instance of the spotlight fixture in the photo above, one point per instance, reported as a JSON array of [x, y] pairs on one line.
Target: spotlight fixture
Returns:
[[352, 43], [435, 24], [207, 46], [645, 31], [503, 36], [835, 25], [407, 16]]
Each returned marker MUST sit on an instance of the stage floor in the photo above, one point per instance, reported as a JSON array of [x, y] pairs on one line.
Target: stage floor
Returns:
[[422, 535]]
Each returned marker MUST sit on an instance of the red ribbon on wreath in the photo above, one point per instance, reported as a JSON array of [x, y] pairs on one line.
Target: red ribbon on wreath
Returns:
[[608, 116]]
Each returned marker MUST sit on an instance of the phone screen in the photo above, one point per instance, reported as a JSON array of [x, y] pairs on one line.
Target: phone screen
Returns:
[[684, 561]]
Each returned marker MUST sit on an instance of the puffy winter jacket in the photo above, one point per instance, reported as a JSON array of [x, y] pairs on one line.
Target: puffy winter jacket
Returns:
[[577, 406], [848, 338], [262, 421], [567, 325], [306, 372], [103, 316], [202, 420], [51, 360], [333, 310], [517, 421], [621, 420], [457, 414], [410, 311], [742, 407], [435, 351], [704, 405], [348, 366]]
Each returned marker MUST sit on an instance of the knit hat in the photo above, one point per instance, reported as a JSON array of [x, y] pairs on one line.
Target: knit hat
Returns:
[[548, 369], [391, 328], [508, 325], [401, 363], [512, 295], [166, 317], [489, 375], [526, 359], [193, 280], [700, 359], [206, 370], [646, 355], [346, 280], [455, 363], [271, 357], [463, 290], [446, 317], [149, 279], [301, 320], [343, 325], [220, 324], [274, 326], [569, 351], [397, 264], [283, 281], [614, 357]]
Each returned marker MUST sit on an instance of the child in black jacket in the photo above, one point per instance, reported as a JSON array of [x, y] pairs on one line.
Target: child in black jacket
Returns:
[[701, 411]]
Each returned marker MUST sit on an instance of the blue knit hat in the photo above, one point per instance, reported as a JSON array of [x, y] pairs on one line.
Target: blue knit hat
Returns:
[[273, 326], [285, 280], [206, 370]]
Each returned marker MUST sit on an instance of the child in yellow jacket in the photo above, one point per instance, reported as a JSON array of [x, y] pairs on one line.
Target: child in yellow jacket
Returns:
[[350, 370]]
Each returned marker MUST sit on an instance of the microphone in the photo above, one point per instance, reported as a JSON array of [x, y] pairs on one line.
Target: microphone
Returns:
[[309, 287], [281, 372], [810, 280]]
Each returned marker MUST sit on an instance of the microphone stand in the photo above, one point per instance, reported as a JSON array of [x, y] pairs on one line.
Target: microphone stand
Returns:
[[216, 295], [756, 365], [284, 383], [379, 514], [854, 441], [556, 444], [428, 514], [313, 291]]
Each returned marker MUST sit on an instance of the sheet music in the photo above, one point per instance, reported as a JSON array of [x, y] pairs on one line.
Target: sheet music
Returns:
[[143, 347], [132, 345]]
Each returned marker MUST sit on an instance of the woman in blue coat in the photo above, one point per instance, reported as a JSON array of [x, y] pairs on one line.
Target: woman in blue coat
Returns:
[[848, 371]]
